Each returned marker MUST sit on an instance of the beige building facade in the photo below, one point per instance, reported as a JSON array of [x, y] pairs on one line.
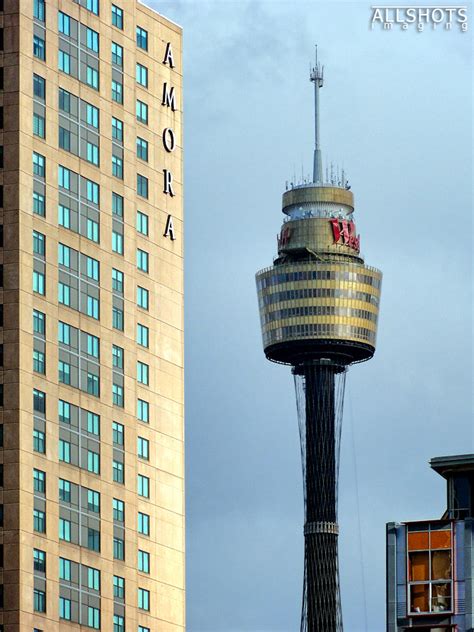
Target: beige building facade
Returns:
[[91, 395]]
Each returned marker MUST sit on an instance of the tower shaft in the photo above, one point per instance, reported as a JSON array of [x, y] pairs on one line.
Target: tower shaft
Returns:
[[320, 412]]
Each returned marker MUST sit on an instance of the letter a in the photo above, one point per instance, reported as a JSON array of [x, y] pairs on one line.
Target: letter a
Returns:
[[169, 230], [168, 59]]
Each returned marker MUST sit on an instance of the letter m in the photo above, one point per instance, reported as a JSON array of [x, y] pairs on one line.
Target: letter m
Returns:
[[169, 97]]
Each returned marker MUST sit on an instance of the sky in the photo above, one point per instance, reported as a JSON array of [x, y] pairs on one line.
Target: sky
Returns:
[[396, 112]]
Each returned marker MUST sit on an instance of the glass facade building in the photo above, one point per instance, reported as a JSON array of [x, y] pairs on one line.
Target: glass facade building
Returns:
[[430, 564]]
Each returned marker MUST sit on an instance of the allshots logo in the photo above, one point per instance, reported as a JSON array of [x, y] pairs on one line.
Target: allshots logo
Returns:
[[447, 17]]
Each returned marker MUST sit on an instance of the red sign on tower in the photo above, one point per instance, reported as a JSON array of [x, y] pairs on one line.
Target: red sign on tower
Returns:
[[344, 232]]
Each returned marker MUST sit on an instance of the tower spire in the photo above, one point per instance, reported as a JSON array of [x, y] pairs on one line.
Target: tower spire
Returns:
[[317, 77]]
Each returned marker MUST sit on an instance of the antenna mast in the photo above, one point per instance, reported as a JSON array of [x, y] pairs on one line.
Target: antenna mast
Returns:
[[316, 76]]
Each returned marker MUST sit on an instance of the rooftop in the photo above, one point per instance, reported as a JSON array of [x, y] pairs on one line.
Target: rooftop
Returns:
[[445, 465]]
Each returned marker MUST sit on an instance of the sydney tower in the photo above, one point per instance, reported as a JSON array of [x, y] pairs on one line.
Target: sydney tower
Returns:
[[319, 307]]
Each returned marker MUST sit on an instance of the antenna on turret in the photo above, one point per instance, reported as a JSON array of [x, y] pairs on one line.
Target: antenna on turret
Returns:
[[316, 76]]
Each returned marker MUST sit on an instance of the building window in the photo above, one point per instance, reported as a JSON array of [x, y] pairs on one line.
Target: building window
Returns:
[[39, 362], [39, 521], [92, 153], [117, 318], [39, 165], [64, 62], [39, 243], [92, 116], [430, 568], [143, 523], [93, 540], [142, 112], [117, 91], [64, 608], [143, 448], [39, 204], [117, 433], [117, 281], [142, 38], [64, 139], [92, 77], [117, 242], [93, 617], [142, 335], [144, 599], [142, 149], [64, 24], [39, 561], [119, 549], [142, 223], [39, 481], [117, 471], [143, 411], [39, 47], [117, 205], [117, 17], [143, 561], [39, 10], [64, 451], [119, 587], [39, 87], [39, 283], [118, 510], [64, 490], [119, 623], [142, 298], [117, 167], [142, 373], [117, 129], [142, 260], [93, 462], [143, 486], [142, 186], [117, 395], [38, 125], [92, 40], [117, 357], [39, 401], [143, 628], [141, 75], [93, 578], [39, 601], [64, 569], [117, 54], [39, 441]]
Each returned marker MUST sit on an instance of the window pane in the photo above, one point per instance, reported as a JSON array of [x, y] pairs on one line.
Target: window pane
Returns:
[[419, 566], [440, 564], [441, 598], [418, 541], [441, 539], [419, 597]]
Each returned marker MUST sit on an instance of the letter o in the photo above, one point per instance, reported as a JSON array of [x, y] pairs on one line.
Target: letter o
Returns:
[[168, 139], [437, 15]]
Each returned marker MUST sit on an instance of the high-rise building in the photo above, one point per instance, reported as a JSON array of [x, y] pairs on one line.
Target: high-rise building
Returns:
[[91, 394], [430, 563], [319, 306]]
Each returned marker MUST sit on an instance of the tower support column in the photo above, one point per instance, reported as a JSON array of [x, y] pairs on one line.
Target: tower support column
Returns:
[[320, 390]]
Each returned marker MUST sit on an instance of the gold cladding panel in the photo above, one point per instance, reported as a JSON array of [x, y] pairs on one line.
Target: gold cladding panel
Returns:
[[345, 318]]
